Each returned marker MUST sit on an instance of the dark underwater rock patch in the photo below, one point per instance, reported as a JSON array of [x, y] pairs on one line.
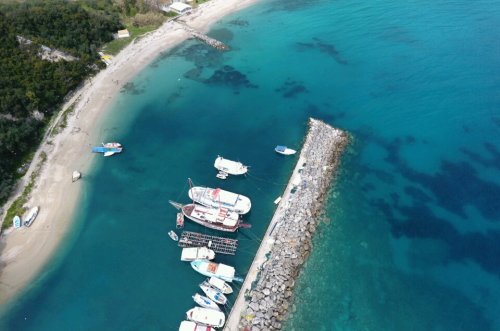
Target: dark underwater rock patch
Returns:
[[239, 22], [229, 76], [130, 88], [291, 88], [202, 55], [323, 47]]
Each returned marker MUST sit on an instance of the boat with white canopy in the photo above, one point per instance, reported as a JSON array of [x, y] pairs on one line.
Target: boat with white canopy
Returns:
[[230, 167]]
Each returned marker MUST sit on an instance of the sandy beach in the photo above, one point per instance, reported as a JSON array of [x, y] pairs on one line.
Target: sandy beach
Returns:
[[25, 251]]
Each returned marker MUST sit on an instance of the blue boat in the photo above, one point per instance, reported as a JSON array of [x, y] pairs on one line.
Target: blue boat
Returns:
[[17, 222], [107, 151]]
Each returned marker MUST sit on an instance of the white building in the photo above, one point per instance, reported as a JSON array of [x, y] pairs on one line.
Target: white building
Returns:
[[123, 34]]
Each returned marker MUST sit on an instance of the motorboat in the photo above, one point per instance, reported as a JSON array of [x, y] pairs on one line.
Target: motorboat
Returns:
[[230, 167], [214, 294], [179, 222], [205, 302], [107, 151], [212, 269], [173, 235], [192, 326], [210, 317], [112, 145], [220, 285], [31, 216], [216, 197], [221, 175], [197, 253], [284, 150]]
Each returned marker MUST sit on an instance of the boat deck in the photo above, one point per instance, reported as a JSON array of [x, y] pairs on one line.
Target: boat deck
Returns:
[[219, 245]]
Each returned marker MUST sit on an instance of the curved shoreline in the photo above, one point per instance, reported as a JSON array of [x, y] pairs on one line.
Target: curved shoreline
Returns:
[[25, 251], [267, 291]]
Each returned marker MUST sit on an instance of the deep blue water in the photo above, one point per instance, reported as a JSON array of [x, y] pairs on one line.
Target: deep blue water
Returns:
[[411, 239]]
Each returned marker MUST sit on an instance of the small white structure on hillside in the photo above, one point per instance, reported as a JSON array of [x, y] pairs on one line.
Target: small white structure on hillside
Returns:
[[180, 8], [123, 33]]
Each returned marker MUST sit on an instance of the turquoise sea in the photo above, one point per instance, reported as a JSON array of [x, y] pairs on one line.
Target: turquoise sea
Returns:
[[411, 238]]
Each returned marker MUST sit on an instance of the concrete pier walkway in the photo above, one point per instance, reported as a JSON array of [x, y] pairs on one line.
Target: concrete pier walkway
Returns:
[[266, 293]]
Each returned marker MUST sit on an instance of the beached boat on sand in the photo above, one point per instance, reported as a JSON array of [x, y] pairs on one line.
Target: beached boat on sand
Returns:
[[214, 218], [31, 216], [197, 253], [217, 197], [107, 151], [213, 294], [212, 269], [16, 222], [220, 285], [284, 150], [206, 316], [230, 167], [205, 302], [192, 326]]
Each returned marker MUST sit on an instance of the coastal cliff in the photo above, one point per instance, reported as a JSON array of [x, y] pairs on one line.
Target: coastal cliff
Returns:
[[267, 292]]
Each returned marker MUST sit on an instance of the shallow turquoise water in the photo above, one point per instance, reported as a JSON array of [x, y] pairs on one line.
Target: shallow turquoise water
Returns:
[[412, 240]]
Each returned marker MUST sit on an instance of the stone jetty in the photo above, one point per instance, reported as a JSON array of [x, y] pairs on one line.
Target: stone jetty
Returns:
[[267, 292]]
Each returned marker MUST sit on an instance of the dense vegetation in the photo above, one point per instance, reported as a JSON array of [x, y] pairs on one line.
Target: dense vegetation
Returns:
[[32, 89]]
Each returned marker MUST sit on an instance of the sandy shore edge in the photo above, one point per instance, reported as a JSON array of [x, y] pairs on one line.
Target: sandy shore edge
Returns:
[[25, 251]]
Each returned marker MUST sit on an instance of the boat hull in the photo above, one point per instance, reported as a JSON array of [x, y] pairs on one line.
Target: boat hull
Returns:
[[213, 294], [217, 198], [186, 211], [210, 269], [205, 302], [207, 316], [230, 167]]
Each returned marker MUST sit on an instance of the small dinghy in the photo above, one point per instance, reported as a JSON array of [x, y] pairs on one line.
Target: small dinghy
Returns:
[[16, 222], [173, 235], [284, 150], [76, 176], [220, 285], [31, 216], [179, 222], [222, 175], [213, 294], [205, 302], [192, 326]]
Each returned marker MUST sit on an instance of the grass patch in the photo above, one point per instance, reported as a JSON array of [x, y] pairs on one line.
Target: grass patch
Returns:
[[63, 121], [115, 46], [17, 206]]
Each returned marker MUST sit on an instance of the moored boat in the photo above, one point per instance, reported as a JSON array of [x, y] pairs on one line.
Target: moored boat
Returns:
[[206, 316], [197, 253], [76, 176], [16, 222], [173, 235], [31, 216], [284, 150], [230, 167], [213, 294], [220, 285], [112, 145], [212, 269], [214, 218], [192, 326], [221, 175], [205, 302], [179, 222], [217, 197], [107, 151]]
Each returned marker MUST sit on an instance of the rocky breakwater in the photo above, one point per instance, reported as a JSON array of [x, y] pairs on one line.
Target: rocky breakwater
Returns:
[[267, 292]]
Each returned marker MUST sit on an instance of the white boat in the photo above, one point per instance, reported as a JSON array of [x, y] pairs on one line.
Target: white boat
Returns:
[[212, 269], [220, 285], [16, 222], [205, 302], [221, 175], [230, 167], [173, 235], [213, 218], [214, 294], [112, 145], [284, 150], [197, 253], [192, 326], [76, 176], [206, 316], [31, 216], [218, 198]]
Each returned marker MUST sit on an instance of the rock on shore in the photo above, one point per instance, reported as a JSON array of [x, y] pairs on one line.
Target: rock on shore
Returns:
[[270, 298]]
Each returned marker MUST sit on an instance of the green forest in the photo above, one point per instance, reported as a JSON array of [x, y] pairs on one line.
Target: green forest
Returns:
[[32, 89]]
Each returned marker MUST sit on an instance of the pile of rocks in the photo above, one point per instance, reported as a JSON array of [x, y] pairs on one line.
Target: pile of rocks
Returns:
[[270, 297]]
